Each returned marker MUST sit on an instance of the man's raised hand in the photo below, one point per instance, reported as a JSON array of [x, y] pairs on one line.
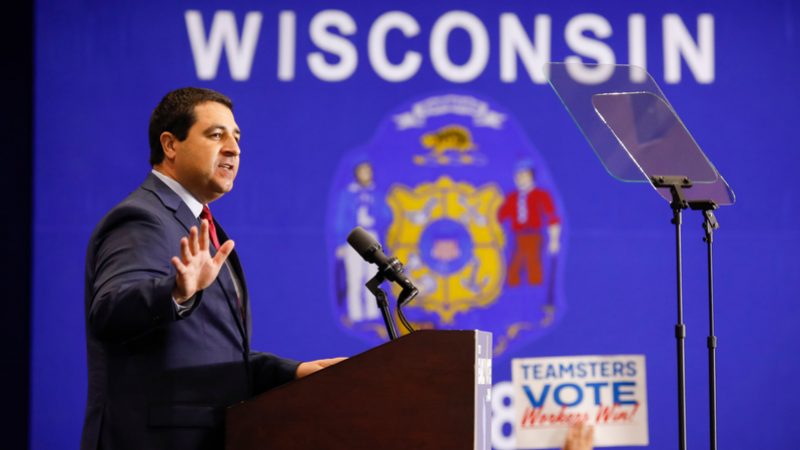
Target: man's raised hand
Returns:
[[196, 268]]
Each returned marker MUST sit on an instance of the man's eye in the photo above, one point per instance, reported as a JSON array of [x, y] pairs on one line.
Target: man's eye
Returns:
[[216, 135]]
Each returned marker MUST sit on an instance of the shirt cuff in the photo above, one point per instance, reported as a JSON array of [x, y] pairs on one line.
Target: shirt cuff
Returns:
[[183, 308]]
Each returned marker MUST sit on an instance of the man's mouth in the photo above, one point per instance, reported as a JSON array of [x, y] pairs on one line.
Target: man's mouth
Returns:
[[226, 166]]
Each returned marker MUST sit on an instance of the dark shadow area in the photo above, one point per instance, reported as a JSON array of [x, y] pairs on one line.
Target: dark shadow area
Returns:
[[15, 222]]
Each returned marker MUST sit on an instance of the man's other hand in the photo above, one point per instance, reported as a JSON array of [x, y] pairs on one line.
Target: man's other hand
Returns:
[[309, 367]]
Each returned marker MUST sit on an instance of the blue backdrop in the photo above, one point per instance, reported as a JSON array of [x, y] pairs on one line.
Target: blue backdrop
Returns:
[[310, 89]]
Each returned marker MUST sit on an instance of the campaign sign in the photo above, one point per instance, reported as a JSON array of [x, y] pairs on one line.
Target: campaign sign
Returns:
[[606, 392]]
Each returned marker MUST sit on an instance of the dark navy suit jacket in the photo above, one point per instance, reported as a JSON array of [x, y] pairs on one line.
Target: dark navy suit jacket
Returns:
[[158, 380]]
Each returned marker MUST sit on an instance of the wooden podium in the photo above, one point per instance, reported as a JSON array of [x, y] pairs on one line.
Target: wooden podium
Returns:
[[425, 390]]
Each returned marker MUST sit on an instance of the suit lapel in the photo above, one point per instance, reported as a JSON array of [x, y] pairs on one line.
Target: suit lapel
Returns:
[[171, 201], [185, 217]]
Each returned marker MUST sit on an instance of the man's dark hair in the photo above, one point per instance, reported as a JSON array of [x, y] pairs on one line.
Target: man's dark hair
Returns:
[[175, 113]]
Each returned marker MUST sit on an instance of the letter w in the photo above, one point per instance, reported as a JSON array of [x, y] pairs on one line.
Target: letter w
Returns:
[[223, 32]]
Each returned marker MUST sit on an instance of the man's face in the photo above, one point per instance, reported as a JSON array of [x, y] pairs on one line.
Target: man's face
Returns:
[[364, 174], [206, 162], [524, 180]]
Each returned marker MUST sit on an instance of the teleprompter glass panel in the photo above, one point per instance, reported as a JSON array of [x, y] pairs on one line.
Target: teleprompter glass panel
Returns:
[[633, 129]]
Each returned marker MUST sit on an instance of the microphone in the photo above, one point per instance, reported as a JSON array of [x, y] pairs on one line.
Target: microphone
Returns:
[[372, 252]]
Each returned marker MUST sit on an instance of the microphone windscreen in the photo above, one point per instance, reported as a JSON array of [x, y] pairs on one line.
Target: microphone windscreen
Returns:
[[363, 243]]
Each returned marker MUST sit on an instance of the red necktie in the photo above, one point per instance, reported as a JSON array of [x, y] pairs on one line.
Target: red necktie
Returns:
[[212, 230]]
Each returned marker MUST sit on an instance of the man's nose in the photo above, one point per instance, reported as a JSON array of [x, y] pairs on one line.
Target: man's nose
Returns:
[[231, 147]]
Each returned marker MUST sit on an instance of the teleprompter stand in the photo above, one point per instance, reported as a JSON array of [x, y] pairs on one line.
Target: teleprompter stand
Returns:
[[639, 137], [676, 184]]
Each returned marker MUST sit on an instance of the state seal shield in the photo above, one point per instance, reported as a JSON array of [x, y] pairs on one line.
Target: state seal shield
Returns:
[[451, 186], [452, 243]]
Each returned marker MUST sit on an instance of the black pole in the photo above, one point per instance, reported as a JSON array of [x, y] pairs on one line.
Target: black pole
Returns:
[[709, 225], [680, 334], [675, 184], [712, 346]]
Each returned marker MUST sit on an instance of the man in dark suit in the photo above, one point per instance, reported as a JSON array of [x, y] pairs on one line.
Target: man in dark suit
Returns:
[[168, 336]]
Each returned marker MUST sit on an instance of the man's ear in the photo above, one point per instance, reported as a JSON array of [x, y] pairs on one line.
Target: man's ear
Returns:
[[168, 144]]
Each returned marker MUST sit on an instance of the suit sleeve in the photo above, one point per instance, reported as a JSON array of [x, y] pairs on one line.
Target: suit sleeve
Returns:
[[270, 371], [131, 291]]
